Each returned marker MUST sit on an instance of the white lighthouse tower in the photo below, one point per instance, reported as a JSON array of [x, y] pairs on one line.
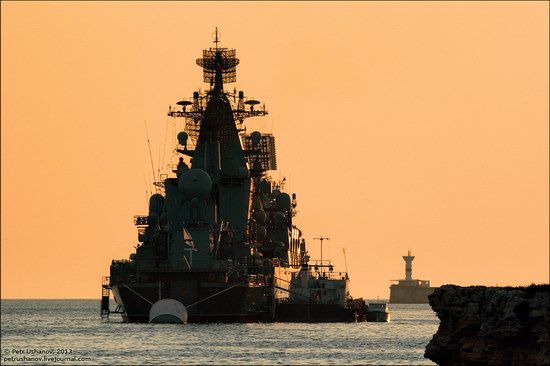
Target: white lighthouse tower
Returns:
[[408, 266], [409, 290]]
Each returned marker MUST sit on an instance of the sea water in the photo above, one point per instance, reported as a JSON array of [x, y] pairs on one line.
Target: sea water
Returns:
[[72, 332]]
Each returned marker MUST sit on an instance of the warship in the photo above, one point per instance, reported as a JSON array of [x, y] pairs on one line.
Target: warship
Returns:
[[410, 290], [219, 236]]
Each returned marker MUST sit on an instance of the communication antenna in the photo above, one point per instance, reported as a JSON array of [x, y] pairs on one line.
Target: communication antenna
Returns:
[[158, 177], [321, 239], [150, 186], [217, 36], [345, 259], [146, 192], [150, 154]]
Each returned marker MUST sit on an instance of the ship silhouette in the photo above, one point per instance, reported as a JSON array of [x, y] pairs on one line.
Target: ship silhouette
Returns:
[[220, 236]]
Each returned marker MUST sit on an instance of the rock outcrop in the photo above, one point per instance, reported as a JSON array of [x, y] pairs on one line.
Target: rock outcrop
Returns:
[[491, 325]]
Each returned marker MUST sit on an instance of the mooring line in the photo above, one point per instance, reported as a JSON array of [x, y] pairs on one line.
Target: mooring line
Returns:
[[216, 294], [123, 284], [193, 304]]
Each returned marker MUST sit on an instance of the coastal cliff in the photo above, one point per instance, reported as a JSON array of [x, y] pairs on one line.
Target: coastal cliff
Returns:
[[491, 325]]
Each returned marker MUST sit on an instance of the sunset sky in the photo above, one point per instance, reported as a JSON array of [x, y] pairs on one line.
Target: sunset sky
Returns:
[[399, 125]]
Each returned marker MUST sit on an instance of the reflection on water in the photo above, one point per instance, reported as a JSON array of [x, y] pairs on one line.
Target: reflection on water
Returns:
[[76, 325]]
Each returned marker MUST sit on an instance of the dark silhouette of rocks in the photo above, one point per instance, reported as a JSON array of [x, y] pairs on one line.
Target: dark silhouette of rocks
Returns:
[[491, 325]]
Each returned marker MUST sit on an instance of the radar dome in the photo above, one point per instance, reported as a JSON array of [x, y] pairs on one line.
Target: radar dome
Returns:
[[156, 202], [255, 137], [279, 218], [182, 138], [282, 202], [262, 232], [260, 216], [195, 183]]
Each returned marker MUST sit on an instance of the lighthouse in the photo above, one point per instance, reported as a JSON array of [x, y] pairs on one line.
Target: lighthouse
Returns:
[[410, 290], [408, 266]]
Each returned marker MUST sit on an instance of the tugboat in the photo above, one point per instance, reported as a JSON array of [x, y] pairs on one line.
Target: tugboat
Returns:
[[219, 236]]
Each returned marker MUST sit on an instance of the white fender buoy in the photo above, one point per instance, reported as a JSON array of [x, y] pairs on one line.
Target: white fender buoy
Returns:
[[168, 311]]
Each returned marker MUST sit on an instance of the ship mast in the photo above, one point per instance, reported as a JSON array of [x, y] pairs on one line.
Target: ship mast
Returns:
[[213, 124], [321, 239]]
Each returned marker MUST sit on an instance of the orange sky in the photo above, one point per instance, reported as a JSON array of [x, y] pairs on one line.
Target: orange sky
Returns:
[[399, 125]]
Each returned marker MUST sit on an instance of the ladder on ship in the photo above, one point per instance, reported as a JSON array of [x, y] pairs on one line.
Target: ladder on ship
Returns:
[[105, 295]]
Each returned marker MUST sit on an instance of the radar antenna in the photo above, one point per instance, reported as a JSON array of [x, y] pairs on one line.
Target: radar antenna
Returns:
[[223, 60], [219, 66]]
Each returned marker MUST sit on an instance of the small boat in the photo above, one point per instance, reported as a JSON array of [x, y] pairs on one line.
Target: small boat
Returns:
[[378, 312]]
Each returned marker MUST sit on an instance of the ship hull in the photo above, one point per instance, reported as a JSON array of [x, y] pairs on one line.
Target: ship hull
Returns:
[[210, 318], [378, 316], [236, 305], [315, 313]]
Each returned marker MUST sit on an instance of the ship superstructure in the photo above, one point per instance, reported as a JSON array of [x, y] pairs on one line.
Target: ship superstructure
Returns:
[[219, 236]]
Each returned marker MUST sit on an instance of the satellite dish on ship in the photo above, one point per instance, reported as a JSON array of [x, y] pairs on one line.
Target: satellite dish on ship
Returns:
[[252, 103], [184, 103]]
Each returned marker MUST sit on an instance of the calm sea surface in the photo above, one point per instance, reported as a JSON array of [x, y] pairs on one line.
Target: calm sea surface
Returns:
[[71, 332]]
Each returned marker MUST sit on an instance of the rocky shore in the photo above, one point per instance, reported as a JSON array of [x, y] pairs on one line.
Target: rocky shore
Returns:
[[491, 325]]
